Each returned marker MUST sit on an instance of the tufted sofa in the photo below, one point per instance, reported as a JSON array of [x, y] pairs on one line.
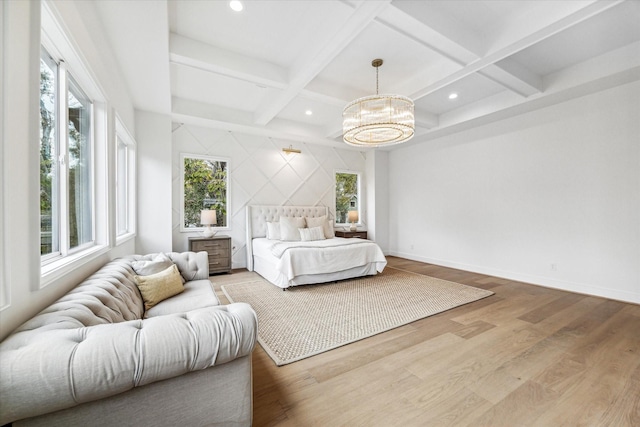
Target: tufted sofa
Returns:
[[94, 357]]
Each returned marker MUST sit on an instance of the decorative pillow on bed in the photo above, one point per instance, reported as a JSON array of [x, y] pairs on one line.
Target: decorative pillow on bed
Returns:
[[289, 227], [310, 234], [273, 230], [322, 221]]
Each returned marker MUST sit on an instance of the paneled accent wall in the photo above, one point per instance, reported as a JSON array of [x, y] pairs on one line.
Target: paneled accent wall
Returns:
[[261, 173]]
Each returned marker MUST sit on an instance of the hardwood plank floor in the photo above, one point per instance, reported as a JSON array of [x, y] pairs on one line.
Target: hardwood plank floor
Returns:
[[526, 356]]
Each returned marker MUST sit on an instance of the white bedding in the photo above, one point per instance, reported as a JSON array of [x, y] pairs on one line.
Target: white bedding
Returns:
[[291, 260]]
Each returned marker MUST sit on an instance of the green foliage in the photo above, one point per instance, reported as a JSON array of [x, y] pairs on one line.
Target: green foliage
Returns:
[[47, 163], [47, 123], [346, 193], [205, 187]]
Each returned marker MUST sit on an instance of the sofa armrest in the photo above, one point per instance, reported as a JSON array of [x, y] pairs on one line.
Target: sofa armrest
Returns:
[[192, 265], [64, 368]]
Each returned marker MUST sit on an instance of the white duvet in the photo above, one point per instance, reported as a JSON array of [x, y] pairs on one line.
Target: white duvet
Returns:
[[318, 257]]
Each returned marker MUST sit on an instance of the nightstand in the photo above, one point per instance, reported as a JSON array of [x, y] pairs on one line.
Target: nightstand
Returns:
[[351, 234], [219, 249]]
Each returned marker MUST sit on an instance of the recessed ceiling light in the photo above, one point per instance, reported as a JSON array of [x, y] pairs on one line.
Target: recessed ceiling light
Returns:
[[308, 112], [236, 5], [453, 95]]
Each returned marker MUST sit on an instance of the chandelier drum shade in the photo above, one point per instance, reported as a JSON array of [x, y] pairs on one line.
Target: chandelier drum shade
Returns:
[[378, 120]]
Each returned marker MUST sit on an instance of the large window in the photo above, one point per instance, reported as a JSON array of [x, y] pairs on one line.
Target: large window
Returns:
[[205, 185], [66, 162], [125, 182], [347, 195]]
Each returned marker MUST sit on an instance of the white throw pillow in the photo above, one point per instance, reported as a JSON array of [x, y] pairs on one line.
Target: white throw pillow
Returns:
[[310, 234], [322, 221], [289, 227], [273, 230], [159, 263]]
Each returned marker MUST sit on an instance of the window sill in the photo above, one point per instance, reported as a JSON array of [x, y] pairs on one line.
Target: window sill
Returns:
[[124, 238], [58, 268]]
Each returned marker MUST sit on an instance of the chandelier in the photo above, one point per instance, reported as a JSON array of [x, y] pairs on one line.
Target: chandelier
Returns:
[[378, 120]]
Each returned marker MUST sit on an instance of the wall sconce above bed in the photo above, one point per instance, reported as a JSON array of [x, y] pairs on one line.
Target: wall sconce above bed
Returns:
[[291, 150]]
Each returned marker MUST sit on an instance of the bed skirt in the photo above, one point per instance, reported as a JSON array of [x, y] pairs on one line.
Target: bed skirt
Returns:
[[266, 270]]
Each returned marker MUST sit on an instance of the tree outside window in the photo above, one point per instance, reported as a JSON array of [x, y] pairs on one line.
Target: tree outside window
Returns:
[[66, 168], [206, 186], [347, 195]]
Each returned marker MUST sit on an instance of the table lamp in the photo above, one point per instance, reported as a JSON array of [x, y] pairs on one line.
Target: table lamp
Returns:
[[352, 217], [208, 217]]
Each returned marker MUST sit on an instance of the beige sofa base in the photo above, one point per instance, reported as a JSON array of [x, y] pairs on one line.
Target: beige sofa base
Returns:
[[222, 393]]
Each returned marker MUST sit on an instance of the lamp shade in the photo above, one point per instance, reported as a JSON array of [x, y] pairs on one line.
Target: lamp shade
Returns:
[[208, 217], [352, 216]]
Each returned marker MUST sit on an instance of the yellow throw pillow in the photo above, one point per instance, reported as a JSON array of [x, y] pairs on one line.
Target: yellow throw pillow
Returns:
[[160, 286]]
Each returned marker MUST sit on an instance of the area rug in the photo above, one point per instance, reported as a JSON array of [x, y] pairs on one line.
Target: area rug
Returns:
[[307, 320]]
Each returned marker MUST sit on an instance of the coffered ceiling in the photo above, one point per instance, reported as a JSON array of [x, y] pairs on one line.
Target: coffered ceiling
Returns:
[[260, 70]]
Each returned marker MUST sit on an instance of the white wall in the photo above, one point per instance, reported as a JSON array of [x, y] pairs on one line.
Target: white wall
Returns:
[[20, 135], [377, 212], [551, 197], [261, 174], [153, 139]]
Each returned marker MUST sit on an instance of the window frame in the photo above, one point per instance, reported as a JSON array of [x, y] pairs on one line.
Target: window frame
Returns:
[[184, 156], [61, 48], [123, 135], [358, 193], [64, 81]]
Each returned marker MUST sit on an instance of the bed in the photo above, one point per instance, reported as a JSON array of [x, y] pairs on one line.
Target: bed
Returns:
[[286, 263]]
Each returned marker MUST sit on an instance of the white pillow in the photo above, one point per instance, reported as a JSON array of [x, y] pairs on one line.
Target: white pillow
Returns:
[[159, 263], [309, 234], [289, 227], [323, 222], [273, 230]]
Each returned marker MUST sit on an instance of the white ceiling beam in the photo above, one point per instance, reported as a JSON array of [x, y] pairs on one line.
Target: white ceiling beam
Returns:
[[514, 79], [315, 60], [192, 53], [514, 76], [519, 45], [457, 124], [426, 119], [452, 42], [424, 34], [205, 115]]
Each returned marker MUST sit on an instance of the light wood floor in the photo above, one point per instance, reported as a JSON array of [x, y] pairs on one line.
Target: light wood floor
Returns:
[[527, 355]]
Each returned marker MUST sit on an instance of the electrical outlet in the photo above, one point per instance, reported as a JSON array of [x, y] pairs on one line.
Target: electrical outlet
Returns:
[[554, 267], [411, 247]]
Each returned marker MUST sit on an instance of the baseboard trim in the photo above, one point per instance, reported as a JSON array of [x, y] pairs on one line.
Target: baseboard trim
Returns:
[[548, 282]]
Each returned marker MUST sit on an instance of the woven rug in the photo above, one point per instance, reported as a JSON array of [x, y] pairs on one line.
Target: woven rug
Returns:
[[306, 320]]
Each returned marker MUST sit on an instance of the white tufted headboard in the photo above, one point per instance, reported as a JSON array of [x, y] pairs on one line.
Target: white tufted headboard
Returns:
[[258, 216]]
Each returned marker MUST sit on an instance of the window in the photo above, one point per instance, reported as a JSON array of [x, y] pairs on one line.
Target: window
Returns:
[[347, 195], [125, 182], [205, 185], [66, 162]]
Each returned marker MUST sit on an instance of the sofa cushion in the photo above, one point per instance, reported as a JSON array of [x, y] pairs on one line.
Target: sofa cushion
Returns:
[[197, 294], [159, 263], [160, 286]]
